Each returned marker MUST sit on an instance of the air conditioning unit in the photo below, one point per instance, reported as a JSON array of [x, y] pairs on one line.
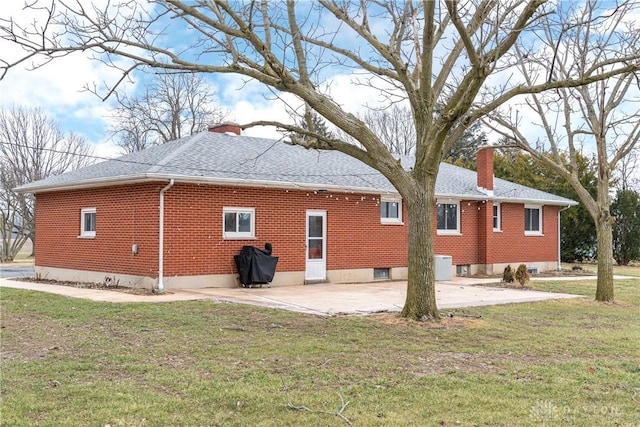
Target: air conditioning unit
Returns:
[[443, 265]]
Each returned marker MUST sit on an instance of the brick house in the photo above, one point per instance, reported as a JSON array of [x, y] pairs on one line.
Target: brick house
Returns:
[[174, 215]]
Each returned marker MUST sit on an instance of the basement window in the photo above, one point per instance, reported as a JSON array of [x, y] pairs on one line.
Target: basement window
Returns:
[[88, 222], [381, 274], [462, 270]]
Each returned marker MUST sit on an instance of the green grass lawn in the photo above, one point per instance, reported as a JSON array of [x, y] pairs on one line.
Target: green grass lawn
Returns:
[[622, 270], [69, 362]]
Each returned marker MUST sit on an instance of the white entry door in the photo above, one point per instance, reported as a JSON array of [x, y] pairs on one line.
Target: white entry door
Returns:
[[316, 246]]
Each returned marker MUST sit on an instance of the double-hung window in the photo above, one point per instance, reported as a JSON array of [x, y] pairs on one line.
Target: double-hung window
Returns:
[[496, 217], [390, 211], [238, 223], [448, 218], [532, 220], [88, 222]]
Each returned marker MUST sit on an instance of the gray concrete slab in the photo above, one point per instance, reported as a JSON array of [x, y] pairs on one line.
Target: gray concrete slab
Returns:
[[319, 299], [9, 271]]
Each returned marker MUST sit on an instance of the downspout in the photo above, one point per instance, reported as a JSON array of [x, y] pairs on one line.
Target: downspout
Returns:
[[559, 253], [161, 238]]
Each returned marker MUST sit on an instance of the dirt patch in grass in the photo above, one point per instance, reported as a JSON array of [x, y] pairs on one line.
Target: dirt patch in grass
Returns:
[[452, 363], [449, 320], [107, 286], [25, 339]]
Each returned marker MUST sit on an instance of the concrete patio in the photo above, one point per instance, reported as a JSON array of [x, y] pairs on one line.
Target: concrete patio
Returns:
[[320, 299]]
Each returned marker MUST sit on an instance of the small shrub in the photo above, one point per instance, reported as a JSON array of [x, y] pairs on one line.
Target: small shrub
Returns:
[[507, 275], [522, 275]]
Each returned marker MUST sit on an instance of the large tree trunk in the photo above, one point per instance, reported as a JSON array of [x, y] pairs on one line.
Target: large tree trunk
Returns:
[[604, 289], [421, 295]]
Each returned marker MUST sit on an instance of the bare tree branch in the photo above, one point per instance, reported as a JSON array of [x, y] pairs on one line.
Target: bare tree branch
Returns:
[[173, 105], [32, 147]]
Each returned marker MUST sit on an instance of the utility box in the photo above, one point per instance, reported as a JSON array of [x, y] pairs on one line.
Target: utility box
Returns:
[[443, 267]]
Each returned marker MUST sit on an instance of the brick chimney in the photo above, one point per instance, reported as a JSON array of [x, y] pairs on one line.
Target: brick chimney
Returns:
[[226, 127], [484, 160]]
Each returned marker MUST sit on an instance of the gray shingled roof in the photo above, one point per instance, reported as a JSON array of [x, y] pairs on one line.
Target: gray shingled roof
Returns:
[[242, 160]]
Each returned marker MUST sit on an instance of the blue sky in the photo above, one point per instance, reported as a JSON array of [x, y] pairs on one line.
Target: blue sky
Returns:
[[58, 88]]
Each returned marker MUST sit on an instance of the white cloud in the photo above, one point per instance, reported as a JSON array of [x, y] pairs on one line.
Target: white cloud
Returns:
[[106, 149], [251, 101]]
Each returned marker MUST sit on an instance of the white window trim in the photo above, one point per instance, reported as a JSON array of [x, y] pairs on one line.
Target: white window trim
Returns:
[[499, 227], [83, 233], [534, 232], [243, 235], [397, 221], [455, 232]]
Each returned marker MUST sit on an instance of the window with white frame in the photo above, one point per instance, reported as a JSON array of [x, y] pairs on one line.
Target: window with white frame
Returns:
[[238, 223], [88, 222], [390, 211], [496, 217], [448, 218], [532, 219]]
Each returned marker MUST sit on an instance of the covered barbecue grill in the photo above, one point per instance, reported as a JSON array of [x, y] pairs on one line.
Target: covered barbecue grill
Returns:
[[256, 266]]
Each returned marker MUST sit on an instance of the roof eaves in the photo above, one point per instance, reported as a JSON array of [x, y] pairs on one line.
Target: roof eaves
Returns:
[[149, 177], [87, 183], [564, 202], [458, 196], [279, 184]]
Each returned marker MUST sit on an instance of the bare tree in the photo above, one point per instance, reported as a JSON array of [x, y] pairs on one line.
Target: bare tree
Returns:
[[396, 129], [448, 56], [32, 147], [173, 105], [603, 115], [628, 177], [394, 126], [13, 228]]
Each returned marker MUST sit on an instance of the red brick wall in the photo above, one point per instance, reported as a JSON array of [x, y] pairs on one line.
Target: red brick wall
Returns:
[[462, 248], [124, 215], [508, 245], [511, 245], [356, 239], [193, 230]]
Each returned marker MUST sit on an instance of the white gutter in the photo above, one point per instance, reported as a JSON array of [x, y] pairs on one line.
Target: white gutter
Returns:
[[289, 185], [161, 237], [559, 253], [151, 177]]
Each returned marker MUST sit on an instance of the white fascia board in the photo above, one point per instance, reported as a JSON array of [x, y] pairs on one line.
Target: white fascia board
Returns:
[[566, 202], [289, 185], [87, 183], [229, 182], [150, 177], [546, 202]]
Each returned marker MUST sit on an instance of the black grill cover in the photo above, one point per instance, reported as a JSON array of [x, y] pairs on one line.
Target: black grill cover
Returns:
[[255, 266]]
